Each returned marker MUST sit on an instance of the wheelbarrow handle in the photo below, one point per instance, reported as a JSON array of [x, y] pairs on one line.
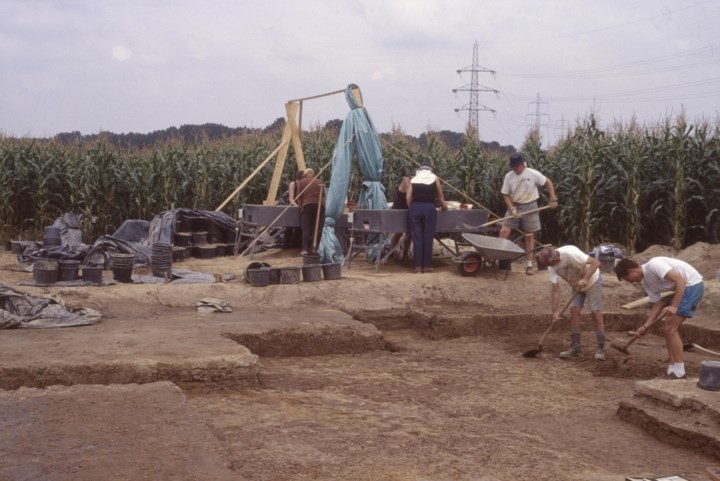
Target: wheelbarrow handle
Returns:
[[492, 222]]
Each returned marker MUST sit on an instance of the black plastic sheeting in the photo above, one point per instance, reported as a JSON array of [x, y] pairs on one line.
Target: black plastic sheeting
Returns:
[[133, 237], [18, 310]]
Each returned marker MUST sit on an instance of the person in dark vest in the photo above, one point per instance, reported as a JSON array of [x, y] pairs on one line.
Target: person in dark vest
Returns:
[[423, 193]]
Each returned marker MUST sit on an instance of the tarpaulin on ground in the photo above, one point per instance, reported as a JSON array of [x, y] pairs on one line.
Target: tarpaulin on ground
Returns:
[[19, 310], [133, 237], [359, 137]]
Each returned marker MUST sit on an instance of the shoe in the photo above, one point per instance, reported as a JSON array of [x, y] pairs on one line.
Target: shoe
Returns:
[[673, 376], [572, 352], [529, 271], [600, 355], [418, 270], [428, 269]]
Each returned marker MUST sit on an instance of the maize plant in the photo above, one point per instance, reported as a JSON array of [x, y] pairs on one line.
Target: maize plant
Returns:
[[655, 184]]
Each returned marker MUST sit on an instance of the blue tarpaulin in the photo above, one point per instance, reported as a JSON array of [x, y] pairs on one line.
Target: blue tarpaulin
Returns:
[[357, 137]]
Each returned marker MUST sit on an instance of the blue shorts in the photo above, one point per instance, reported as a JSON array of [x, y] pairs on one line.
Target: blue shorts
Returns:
[[691, 300], [593, 296]]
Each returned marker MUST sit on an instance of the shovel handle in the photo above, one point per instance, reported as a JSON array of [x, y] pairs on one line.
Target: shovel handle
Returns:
[[636, 337], [549, 328], [704, 350], [492, 222]]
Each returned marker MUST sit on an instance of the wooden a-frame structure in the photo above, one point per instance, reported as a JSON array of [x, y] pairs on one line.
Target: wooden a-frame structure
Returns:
[[291, 135]]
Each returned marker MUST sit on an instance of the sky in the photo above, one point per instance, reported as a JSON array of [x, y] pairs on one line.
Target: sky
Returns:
[[140, 66]]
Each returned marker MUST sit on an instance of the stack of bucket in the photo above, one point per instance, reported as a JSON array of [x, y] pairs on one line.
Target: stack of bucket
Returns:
[[122, 266], [161, 260]]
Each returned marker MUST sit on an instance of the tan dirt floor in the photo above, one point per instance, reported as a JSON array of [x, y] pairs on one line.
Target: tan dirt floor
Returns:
[[465, 408]]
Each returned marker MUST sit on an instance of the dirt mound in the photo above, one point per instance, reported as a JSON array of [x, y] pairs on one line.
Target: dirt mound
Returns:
[[702, 256]]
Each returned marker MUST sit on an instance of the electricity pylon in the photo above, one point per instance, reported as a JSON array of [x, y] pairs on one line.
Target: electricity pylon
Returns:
[[474, 106]]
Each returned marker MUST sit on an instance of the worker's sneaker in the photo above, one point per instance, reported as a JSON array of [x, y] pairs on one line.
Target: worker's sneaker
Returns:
[[572, 352], [674, 376], [529, 271], [600, 355]]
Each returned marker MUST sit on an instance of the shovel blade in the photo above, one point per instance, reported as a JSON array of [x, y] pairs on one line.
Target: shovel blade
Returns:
[[620, 347], [532, 352]]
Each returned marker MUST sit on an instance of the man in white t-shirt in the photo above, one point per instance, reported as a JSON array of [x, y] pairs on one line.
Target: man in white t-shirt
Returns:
[[661, 274], [520, 194], [581, 272]]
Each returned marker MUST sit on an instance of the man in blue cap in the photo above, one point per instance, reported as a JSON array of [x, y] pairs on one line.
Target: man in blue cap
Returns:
[[520, 193]]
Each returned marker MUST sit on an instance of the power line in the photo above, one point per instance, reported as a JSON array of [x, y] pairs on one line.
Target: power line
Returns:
[[474, 106]]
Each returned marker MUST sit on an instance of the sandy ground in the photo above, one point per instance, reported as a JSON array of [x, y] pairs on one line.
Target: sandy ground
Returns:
[[436, 405]]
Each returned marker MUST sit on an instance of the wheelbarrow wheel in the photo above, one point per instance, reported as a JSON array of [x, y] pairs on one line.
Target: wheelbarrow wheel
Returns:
[[469, 263]]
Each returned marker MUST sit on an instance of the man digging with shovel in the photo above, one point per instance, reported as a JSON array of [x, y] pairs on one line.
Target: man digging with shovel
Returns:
[[666, 274], [581, 272]]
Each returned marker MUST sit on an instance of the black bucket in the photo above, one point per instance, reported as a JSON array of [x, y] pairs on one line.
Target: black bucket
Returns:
[[122, 274], [51, 236], [92, 274], [69, 270], [207, 251], [311, 259], [122, 260], [258, 277], [199, 238], [178, 253], [275, 275], [17, 247], [331, 271], [45, 271], [709, 378], [183, 239], [185, 224], [254, 265], [312, 272], [289, 275]]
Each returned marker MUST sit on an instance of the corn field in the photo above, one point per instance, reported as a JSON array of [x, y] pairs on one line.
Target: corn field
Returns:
[[628, 184]]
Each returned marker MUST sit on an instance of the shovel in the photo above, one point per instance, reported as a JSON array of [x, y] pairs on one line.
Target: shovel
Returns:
[[538, 350], [698, 348], [623, 347], [520, 214]]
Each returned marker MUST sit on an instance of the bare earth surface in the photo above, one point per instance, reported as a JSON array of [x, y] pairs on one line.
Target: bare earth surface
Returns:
[[446, 395]]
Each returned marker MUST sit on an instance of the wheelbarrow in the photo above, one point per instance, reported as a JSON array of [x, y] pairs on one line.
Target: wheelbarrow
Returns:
[[490, 253]]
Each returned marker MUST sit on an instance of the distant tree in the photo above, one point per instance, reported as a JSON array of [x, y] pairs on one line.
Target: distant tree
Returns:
[[334, 124], [277, 126]]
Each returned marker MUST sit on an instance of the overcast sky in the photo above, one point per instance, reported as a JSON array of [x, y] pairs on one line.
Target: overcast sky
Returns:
[[140, 66]]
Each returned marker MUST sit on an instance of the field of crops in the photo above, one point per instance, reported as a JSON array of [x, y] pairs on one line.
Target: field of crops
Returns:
[[633, 184]]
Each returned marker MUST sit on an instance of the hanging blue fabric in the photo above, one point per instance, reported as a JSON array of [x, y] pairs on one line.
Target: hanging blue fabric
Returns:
[[357, 136]]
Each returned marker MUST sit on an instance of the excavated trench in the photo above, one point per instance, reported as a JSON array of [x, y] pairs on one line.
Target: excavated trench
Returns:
[[355, 334]]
